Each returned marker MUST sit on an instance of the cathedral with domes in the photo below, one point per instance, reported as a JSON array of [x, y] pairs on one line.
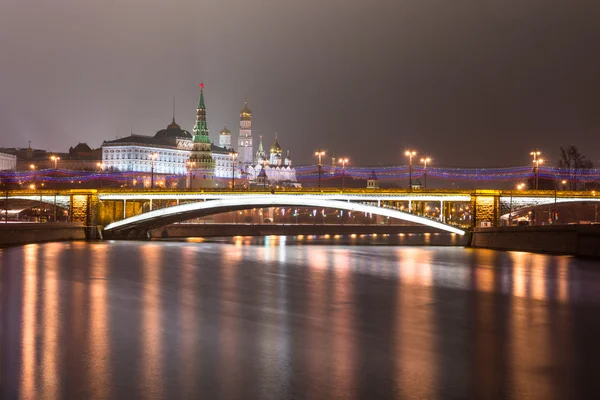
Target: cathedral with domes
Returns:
[[175, 151], [276, 169]]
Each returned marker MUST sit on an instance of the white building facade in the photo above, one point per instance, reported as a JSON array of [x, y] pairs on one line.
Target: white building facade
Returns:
[[8, 162]]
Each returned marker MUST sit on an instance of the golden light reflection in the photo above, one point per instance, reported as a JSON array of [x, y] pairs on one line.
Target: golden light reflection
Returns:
[[412, 268], [415, 352], [316, 299], [537, 276], [151, 357], [563, 279], [530, 324], [485, 279], [228, 326], [195, 239], [344, 345], [519, 261], [188, 320], [51, 312], [28, 343], [99, 324]]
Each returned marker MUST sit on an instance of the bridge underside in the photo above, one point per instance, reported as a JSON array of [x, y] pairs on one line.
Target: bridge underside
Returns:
[[139, 225]]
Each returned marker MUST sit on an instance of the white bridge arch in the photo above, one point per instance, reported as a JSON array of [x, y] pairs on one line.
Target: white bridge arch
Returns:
[[164, 216]]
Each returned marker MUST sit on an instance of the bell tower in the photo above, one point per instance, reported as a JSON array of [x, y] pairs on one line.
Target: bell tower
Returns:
[[245, 148]]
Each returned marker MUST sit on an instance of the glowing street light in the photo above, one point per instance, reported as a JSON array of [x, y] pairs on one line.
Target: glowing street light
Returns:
[[320, 153], [425, 161], [410, 154], [55, 159], [233, 155], [536, 165], [343, 161], [520, 186], [153, 156]]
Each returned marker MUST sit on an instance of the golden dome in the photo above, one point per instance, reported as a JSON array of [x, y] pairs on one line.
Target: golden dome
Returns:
[[245, 111], [276, 148], [225, 131]]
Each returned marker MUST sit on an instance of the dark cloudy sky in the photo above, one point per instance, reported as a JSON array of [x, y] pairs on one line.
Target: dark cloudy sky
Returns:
[[470, 82]]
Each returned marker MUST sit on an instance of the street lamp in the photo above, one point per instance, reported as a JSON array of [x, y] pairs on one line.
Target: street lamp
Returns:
[[536, 165], [264, 172], [100, 167], [32, 168], [320, 153], [425, 161], [55, 159], [410, 154], [153, 156], [233, 154], [343, 161], [519, 187]]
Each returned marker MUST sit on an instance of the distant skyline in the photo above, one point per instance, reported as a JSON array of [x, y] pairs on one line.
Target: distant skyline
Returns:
[[468, 83]]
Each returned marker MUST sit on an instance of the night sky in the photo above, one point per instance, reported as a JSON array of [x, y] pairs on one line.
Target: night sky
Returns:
[[469, 82]]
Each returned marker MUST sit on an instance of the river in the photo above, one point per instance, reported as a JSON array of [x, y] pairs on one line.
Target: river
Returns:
[[295, 318]]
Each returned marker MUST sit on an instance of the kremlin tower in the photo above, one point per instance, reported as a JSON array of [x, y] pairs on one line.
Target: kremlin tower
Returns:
[[201, 164], [245, 138]]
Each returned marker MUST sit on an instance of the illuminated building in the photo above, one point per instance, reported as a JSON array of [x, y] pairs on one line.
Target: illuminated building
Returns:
[[277, 170], [174, 151], [245, 137], [8, 162]]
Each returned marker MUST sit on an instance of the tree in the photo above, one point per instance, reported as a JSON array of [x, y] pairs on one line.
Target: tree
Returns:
[[573, 162]]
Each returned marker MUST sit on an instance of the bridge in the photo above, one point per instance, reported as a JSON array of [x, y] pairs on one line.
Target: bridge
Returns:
[[127, 212]]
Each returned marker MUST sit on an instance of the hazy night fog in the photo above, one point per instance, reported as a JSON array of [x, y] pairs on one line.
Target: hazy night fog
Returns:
[[474, 83]]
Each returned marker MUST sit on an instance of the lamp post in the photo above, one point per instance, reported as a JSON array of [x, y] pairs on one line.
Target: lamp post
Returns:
[[320, 153], [264, 171], [425, 161], [55, 159], [100, 167], [519, 187], [233, 154], [410, 154], [536, 165], [555, 216], [343, 161], [32, 168], [153, 157]]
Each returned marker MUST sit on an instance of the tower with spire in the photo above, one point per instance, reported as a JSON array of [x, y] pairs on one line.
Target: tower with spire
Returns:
[[245, 139], [201, 164], [261, 156]]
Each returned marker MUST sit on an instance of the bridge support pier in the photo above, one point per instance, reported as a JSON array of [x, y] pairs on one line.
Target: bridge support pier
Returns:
[[485, 207]]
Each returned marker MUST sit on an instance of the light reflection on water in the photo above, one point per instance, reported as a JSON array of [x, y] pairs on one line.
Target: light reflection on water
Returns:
[[277, 317]]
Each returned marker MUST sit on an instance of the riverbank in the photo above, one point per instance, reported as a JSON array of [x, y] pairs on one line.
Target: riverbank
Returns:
[[22, 233], [576, 240]]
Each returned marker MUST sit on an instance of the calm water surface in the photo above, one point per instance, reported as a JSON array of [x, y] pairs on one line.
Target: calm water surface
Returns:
[[275, 318]]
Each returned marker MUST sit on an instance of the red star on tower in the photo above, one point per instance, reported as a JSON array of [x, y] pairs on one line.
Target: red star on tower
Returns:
[[201, 85]]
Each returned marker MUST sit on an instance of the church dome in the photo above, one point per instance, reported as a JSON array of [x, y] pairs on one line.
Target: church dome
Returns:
[[245, 110], [225, 131], [173, 131], [276, 148]]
